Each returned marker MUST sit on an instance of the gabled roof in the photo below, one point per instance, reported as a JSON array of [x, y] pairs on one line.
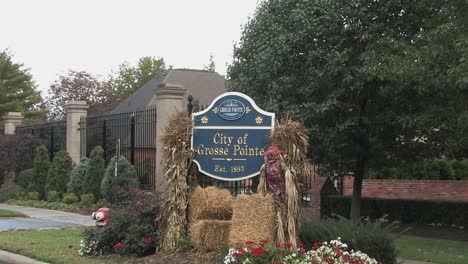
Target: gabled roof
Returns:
[[204, 86]]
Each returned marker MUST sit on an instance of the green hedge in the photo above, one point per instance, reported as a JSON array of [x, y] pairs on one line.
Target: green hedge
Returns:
[[405, 211]]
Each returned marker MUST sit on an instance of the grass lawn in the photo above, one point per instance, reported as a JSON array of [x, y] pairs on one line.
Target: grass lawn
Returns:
[[8, 213], [432, 250], [52, 245]]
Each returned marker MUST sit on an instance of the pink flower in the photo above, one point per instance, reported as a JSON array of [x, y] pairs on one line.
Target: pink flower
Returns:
[[118, 246], [148, 240], [131, 213]]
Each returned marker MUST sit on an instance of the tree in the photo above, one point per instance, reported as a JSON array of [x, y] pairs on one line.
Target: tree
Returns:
[[116, 186], [18, 92], [59, 172], [93, 177], [41, 166], [363, 76], [212, 66], [77, 176], [100, 94], [130, 78]]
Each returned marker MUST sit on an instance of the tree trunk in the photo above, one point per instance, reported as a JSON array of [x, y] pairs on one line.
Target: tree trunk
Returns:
[[360, 173]]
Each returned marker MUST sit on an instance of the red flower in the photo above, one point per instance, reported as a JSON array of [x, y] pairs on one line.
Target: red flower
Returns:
[[148, 240], [249, 242], [278, 245], [263, 242], [118, 246], [258, 251], [131, 213], [288, 245], [328, 260], [317, 244], [241, 250], [300, 244]]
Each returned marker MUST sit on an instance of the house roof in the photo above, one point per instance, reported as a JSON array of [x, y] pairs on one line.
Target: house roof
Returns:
[[204, 86]]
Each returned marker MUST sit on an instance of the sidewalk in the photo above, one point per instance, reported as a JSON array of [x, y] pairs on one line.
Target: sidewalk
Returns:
[[42, 218]]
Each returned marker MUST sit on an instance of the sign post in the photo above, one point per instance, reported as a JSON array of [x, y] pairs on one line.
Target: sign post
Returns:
[[230, 137]]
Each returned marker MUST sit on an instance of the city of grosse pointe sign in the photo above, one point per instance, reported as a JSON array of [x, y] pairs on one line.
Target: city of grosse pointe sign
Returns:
[[230, 137]]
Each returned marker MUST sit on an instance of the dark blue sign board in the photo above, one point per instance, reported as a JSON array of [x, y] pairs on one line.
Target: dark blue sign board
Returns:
[[230, 137]]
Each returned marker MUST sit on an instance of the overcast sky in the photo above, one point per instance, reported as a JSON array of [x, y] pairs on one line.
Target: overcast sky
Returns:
[[52, 36]]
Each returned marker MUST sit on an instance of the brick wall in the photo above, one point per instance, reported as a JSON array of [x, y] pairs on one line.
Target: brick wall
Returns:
[[410, 189]]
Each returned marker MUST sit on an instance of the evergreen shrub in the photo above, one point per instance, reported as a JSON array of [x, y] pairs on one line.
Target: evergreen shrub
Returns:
[[53, 196], [33, 196], [24, 179], [95, 173], [116, 187], [59, 172], [41, 166], [70, 198], [77, 176], [10, 192], [87, 200], [371, 238]]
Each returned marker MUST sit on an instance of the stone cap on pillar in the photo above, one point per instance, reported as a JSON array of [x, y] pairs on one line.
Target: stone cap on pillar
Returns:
[[13, 117], [169, 91], [76, 106]]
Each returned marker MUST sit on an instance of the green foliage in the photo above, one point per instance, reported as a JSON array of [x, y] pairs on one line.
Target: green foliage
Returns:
[[133, 226], [41, 166], [404, 211], [93, 177], [87, 200], [53, 196], [102, 203], [77, 176], [370, 238], [33, 196], [59, 172], [70, 198], [24, 179], [116, 187], [373, 83], [460, 169], [18, 92], [9, 192], [130, 78]]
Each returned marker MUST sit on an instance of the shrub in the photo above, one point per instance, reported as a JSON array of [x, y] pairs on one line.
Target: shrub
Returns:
[[370, 238], [116, 187], [24, 179], [70, 198], [41, 166], [87, 200], [77, 175], [53, 196], [10, 192], [102, 203], [33, 196], [404, 211], [460, 169], [133, 230], [59, 172], [95, 173]]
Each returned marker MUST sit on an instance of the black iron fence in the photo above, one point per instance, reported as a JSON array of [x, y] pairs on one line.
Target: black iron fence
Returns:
[[51, 133], [133, 134]]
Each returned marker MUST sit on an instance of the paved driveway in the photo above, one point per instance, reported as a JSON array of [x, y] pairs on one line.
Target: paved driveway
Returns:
[[42, 218]]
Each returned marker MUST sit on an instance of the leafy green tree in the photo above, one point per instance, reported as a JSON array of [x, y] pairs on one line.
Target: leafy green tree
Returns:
[[365, 77], [77, 177], [59, 172], [116, 186], [41, 166], [18, 93], [93, 177], [131, 78]]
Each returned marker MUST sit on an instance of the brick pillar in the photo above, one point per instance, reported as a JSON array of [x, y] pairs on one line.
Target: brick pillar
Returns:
[[169, 99], [10, 121], [75, 110]]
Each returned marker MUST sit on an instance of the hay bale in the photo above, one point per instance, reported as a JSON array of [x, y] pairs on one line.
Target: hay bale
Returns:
[[210, 203], [254, 218], [209, 235]]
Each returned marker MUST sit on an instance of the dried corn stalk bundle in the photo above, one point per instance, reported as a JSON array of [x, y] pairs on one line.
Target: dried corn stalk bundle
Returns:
[[176, 159]]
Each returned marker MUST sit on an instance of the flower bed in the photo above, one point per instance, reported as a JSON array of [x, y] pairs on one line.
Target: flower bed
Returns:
[[333, 252]]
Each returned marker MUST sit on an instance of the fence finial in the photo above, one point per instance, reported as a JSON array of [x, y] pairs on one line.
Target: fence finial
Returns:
[[280, 107], [190, 104]]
